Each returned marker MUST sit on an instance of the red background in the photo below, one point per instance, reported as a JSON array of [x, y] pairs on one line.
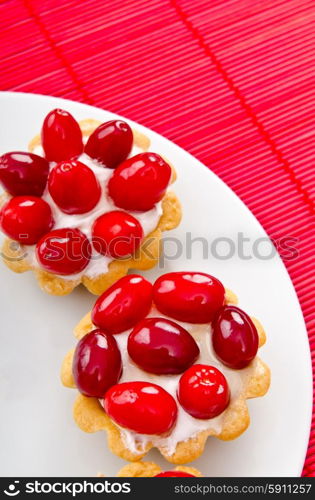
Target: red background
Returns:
[[228, 80]]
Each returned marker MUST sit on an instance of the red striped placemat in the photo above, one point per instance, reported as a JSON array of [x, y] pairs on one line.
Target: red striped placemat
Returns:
[[228, 80]]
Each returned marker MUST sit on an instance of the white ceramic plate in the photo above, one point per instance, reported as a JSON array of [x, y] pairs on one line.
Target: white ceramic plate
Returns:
[[38, 435]]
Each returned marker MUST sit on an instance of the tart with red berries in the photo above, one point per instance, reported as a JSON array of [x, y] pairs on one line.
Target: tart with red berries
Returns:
[[151, 469], [85, 204], [166, 365]]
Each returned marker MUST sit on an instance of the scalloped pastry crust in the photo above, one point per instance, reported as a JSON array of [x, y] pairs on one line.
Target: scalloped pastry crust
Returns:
[[150, 469]]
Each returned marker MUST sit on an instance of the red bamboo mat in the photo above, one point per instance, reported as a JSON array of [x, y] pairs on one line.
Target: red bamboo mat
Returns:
[[228, 80]]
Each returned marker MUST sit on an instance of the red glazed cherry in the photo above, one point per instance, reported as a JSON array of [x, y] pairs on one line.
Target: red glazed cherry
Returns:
[[61, 136], [174, 473], [188, 296], [96, 364], [160, 346], [23, 173], [74, 187], [122, 305], [203, 391], [140, 182], [116, 234], [64, 251], [110, 143], [235, 338], [141, 407], [26, 219]]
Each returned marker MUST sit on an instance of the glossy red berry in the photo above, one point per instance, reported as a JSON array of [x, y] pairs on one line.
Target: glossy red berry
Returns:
[[116, 234], [64, 251], [174, 473], [203, 391], [140, 182], [74, 187], [122, 305], [110, 143], [96, 364], [188, 296], [235, 338], [26, 219], [23, 173], [162, 346], [141, 407], [61, 136]]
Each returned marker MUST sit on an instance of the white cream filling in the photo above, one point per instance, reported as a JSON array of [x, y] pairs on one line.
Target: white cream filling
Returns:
[[186, 426], [98, 263]]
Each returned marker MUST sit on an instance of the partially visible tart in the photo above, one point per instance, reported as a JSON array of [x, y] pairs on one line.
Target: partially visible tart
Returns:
[[85, 204], [166, 365], [151, 469]]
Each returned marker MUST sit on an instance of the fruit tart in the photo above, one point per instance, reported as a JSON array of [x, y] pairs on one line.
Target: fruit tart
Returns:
[[151, 469], [86, 203], [166, 365]]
